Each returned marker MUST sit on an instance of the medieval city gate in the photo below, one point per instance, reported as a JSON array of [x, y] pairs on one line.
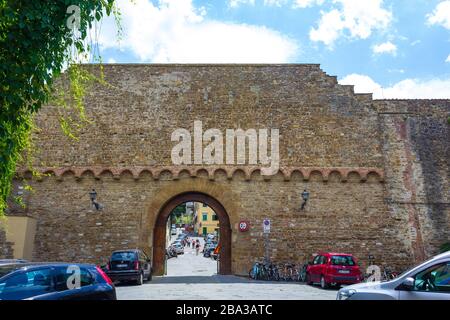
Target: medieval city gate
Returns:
[[376, 171]]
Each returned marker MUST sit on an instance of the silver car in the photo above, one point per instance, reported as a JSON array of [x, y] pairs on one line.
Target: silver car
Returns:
[[428, 281], [179, 249]]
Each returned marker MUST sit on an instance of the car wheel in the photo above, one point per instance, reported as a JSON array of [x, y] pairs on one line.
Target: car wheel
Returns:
[[149, 278], [323, 283], [140, 280], [308, 279]]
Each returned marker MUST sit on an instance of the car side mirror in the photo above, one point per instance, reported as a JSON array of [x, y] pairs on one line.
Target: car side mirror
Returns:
[[406, 285]]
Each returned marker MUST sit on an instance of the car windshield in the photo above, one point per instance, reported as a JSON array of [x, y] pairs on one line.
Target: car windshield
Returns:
[[123, 256], [342, 261]]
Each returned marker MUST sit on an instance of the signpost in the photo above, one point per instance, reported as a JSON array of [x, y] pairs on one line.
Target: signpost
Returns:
[[266, 226], [266, 231]]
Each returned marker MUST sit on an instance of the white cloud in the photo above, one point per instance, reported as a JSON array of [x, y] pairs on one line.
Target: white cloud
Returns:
[[176, 31], [396, 71], [355, 18], [440, 15], [405, 89], [448, 59], [237, 3], [387, 47], [307, 3], [277, 3]]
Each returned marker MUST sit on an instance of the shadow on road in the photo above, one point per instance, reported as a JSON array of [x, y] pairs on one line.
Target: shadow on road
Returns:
[[210, 279]]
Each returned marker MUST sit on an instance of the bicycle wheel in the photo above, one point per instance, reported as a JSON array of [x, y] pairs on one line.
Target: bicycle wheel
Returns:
[[291, 274], [295, 275], [276, 275], [263, 274], [252, 273]]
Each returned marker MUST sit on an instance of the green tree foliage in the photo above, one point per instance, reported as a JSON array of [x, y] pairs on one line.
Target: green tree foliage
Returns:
[[179, 215], [178, 211], [35, 46]]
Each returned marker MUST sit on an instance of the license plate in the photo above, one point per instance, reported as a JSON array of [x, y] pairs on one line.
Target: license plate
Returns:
[[122, 265], [344, 271]]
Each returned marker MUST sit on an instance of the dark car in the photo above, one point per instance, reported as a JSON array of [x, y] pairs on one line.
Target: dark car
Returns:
[[129, 265], [54, 281]]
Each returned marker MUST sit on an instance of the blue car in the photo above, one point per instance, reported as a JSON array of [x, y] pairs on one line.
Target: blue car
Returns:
[[55, 281]]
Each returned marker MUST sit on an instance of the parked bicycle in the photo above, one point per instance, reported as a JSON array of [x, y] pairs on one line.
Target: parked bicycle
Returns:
[[374, 274], [388, 274], [289, 272], [302, 273], [278, 272], [258, 272], [273, 273]]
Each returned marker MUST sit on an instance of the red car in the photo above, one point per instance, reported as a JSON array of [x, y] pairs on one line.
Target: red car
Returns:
[[330, 268]]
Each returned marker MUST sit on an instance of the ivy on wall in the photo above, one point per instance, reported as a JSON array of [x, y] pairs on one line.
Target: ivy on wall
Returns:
[[36, 45]]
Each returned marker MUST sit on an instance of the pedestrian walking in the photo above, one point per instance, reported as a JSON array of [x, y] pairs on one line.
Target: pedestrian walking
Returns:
[[197, 248]]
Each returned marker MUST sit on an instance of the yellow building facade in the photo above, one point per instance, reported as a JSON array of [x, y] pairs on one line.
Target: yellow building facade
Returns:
[[205, 220]]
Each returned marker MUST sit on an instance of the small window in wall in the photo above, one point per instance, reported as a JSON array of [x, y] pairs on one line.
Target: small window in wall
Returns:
[[205, 231], [215, 217], [205, 217], [205, 205]]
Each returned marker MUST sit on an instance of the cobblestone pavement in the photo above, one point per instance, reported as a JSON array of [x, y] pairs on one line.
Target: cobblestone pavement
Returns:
[[191, 277]]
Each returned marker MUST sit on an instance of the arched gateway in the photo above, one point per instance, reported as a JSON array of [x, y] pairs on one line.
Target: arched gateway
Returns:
[[159, 234]]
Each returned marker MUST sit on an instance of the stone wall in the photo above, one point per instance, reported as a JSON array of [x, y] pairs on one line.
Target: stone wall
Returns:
[[377, 171], [6, 247], [417, 162]]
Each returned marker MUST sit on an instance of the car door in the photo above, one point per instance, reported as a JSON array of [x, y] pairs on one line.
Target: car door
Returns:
[[321, 267], [432, 283], [314, 269], [70, 289]]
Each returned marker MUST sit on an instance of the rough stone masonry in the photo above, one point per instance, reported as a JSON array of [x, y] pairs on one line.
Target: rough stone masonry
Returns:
[[377, 170]]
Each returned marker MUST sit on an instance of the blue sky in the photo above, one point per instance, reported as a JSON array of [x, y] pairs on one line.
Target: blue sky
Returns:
[[393, 48]]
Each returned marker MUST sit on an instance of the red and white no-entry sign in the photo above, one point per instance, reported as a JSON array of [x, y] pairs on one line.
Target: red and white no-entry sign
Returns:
[[244, 226]]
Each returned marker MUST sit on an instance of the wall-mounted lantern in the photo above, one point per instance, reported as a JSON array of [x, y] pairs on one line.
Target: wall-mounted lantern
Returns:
[[93, 195], [305, 197]]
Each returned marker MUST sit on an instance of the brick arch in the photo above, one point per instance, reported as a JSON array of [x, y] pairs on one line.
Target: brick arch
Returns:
[[221, 199], [159, 235]]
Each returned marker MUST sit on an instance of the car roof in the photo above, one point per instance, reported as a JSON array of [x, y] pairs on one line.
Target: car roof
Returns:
[[334, 254], [33, 265], [442, 255], [126, 250]]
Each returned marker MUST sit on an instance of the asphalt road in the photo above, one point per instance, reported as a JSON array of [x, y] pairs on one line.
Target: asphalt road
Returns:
[[192, 277]]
